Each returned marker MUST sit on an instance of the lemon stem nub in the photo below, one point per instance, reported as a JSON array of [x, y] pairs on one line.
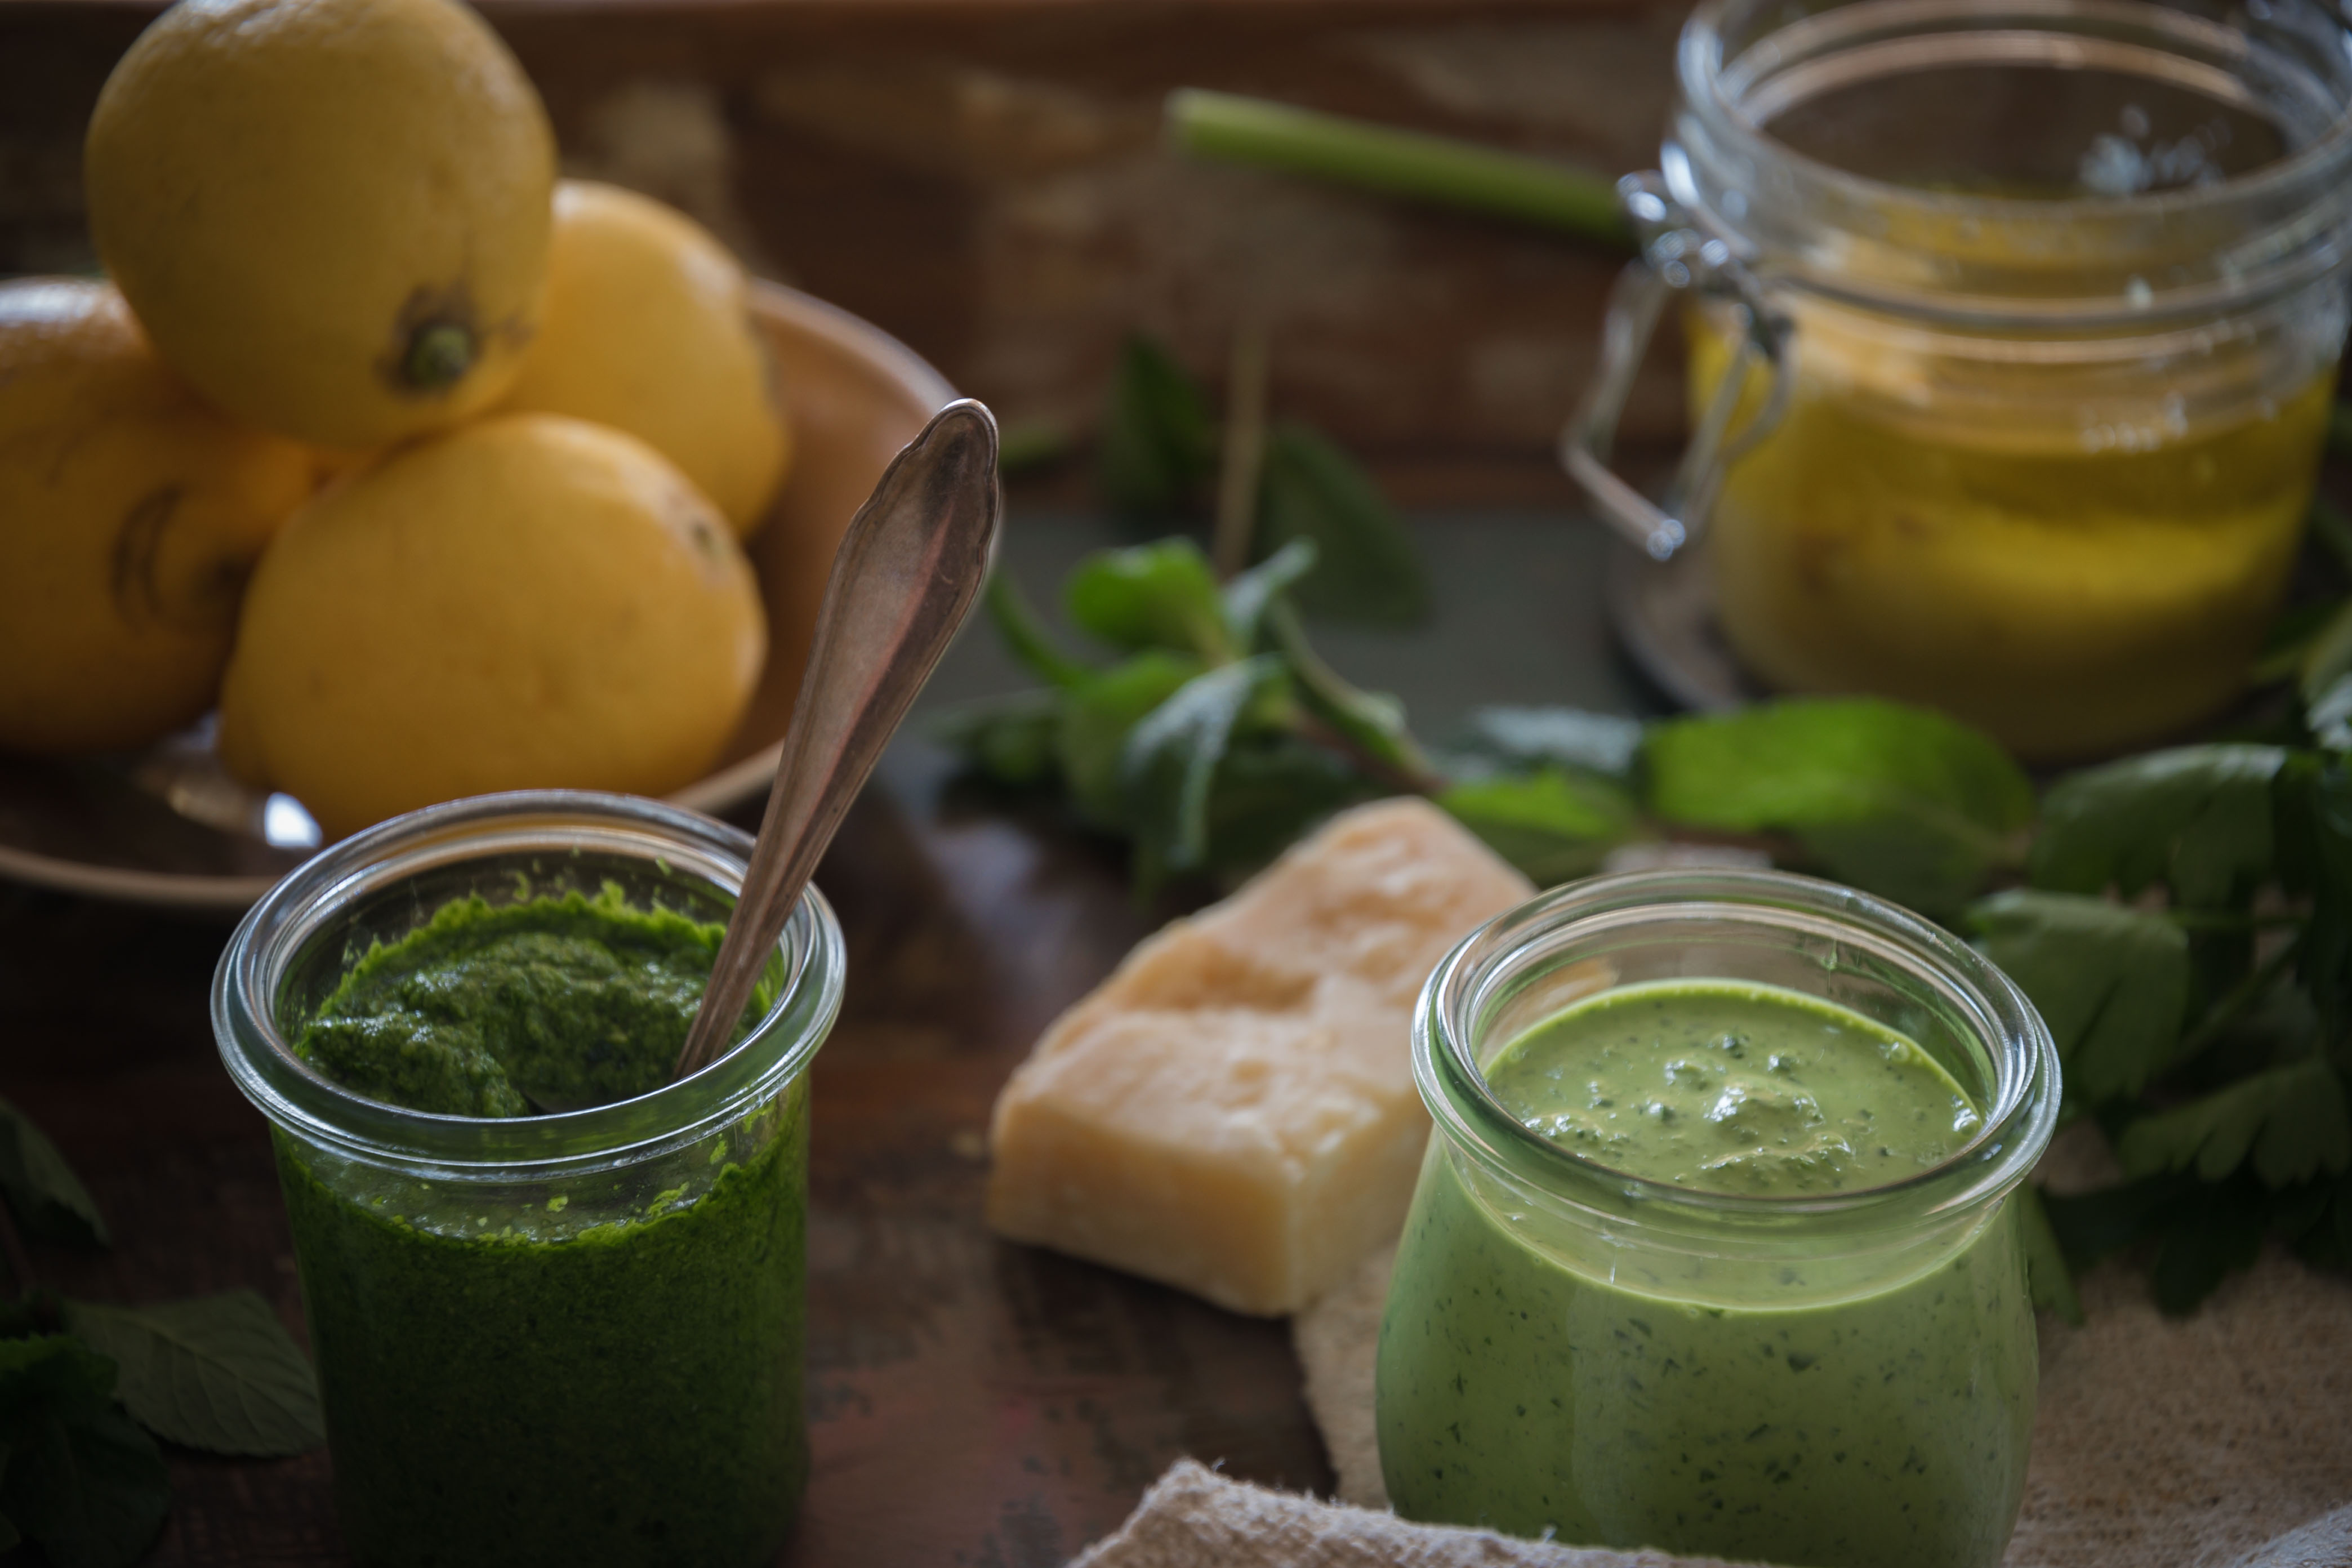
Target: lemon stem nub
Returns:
[[439, 355]]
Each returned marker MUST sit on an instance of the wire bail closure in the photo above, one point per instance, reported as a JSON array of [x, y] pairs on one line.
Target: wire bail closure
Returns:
[[1675, 257]]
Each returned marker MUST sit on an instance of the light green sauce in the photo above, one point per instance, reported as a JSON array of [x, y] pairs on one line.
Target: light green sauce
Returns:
[[1600, 1396]]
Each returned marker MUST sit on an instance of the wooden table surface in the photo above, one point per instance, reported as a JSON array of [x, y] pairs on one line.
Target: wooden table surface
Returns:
[[971, 1401]]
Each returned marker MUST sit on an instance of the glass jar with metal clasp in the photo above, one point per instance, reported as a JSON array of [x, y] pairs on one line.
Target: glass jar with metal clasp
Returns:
[[2013, 336]]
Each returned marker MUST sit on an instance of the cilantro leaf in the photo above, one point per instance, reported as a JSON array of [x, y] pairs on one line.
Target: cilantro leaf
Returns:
[[47, 1199], [1555, 826], [2053, 1283], [1096, 718], [1150, 596], [217, 1373], [2197, 817], [2111, 983], [2290, 1119], [82, 1481], [1370, 572], [1904, 802], [1170, 759], [1516, 739], [1159, 438]]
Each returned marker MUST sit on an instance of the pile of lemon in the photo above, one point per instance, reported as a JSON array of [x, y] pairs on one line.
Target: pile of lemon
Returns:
[[431, 470]]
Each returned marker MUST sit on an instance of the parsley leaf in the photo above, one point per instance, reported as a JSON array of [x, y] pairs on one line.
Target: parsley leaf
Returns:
[[2111, 983], [2290, 1119], [1901, 801], [2197, 817], [82, 1481], [2311, 802], [49, 1200]]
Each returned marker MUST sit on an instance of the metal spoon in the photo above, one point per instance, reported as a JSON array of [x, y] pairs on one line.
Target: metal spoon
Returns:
[[907, 572]]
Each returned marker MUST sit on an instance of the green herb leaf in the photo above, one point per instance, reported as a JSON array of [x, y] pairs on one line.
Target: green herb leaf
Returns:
[[82, 1481], [1026, 636], [1370, 722], [2292, 1118], [1555, 826], [1514, 740], [2092, 1225], [1370, 571], [2051, 1282], [1159, 438], [1096, 718], [1270, 789], [1158, 595], [1252, 592], [1901, 801], [1170, 759], [2327, 714], [2197, 817], [2217, 1231], [1009, 739], [2312, 807], [2111, 983], [216, 1373], [47, 1199]]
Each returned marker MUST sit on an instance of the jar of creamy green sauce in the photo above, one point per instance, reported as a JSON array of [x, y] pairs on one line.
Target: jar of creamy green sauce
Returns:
[[1799, 1359], [558, 1338], [2014, 328]]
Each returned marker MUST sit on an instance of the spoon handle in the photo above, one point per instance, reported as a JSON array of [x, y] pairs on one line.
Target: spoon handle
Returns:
[[908, 569]]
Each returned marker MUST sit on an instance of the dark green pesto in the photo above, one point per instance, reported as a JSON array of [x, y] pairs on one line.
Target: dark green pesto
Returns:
[[601, 1369], [573, 1001]]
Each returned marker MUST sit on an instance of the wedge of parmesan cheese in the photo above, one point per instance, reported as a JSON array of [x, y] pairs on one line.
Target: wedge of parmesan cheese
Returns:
[[1232, 1111]]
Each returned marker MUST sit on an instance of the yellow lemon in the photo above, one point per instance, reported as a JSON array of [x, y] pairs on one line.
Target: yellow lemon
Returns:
[[648, 329], [331, 215], [130, 513], [525, 601]]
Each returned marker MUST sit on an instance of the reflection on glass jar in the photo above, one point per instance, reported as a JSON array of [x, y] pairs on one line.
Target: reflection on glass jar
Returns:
[[560, 1337], [2025, 317], [1839, 1374]]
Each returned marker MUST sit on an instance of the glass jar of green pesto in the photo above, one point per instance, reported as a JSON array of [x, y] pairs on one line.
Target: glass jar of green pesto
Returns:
[[1717, 1246], [557, 1338]]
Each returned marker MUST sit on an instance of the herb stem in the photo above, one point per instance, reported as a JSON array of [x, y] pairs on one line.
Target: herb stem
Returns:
[[1413, 164], [2234, 1006], [1315, 732], [1244, 453], [2225, 921]]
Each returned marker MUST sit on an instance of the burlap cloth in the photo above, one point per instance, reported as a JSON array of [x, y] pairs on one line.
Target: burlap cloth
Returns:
[[2223, 1440]]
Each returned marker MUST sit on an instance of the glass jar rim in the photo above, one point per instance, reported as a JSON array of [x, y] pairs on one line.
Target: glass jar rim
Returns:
[[1486, 966], [301, 1100], [2294, 212]]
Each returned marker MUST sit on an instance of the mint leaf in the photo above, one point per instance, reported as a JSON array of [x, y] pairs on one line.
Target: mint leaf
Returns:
[[1372, 722], [1370, 571], [1555, 826], [1150, 596], [1009, 739], [2051, 1282], [1158, 440], [1026, 636], [47, 1199], [1096, 718], [1250, 594], [2197, 818], [1170, 759], [217, 1373], [2111, 983], [1270, 788], [2290, 1119], [1519, 738], [82, 1482], [1901, 801]]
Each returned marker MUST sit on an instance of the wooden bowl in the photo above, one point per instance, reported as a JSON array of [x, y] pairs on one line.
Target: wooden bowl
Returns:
[[169, 828]]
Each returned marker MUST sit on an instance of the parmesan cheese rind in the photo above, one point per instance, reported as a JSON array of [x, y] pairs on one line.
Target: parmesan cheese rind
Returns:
[[1232, 1111]]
